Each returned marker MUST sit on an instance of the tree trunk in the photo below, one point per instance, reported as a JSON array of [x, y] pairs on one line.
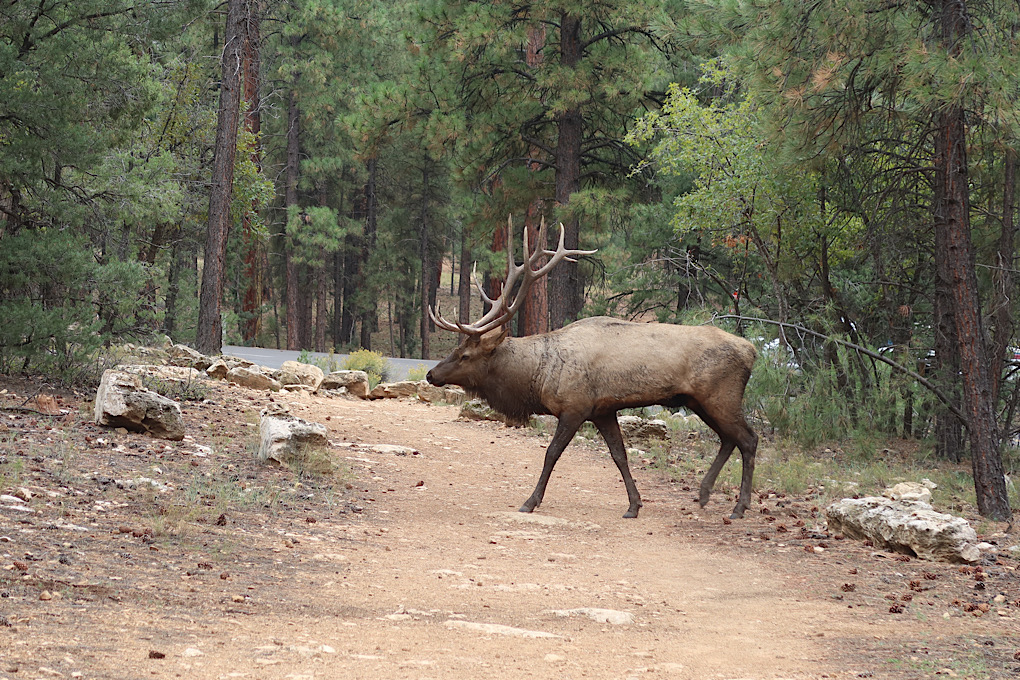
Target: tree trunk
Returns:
[[1002, 275], [291, 201], [464, 279], [321, 295], [533, 317], [336, 329], [949, 441], [252, 302], [369, 313], [952, 218], [566, 290], [496, 279], [173, 286], [209, 335], [426, 264], [306, 298]]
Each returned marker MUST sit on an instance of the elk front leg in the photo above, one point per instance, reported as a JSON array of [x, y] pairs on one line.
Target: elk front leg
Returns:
[[609, 428], [565, 430]]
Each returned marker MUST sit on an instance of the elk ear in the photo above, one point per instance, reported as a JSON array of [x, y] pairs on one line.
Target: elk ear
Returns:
[[494, 338]]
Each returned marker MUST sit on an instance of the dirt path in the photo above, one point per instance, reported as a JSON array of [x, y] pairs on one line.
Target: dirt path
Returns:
[[426, 570]]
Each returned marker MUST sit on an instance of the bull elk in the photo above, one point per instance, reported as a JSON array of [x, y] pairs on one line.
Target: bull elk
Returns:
[[592, 368]]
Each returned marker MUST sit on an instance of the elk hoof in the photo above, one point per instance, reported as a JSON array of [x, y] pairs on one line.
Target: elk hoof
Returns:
[[527, 507], [737, 514], [633, 510]]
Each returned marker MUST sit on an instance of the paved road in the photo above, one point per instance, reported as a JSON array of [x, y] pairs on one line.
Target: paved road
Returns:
[[274, 358]]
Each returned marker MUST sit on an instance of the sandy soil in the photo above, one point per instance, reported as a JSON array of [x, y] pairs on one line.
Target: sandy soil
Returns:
[[419, 566]]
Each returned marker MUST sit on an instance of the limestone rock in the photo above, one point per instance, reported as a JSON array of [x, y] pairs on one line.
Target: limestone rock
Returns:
[[478, 409], [121, 401], [611, 616], [355, 382], [177, 374], [449, 394], [635, 427], [909, 491], [499, 629], [395, 390], [545, 422], [182, 355], [283, 438], [908, 527], [394, 449], [254, 378], [297, 373], [220, 367]]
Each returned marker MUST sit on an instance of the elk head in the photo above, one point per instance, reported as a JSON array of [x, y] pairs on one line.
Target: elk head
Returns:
[[467, 365]]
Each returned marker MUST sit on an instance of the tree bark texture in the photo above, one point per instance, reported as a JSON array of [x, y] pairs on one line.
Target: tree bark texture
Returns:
[[426, 261], [369, 315], [497, 278], [291, 199], [949, 441], [464, 279], [1002, 275], [209, 335], [252, 300], [566, 290], [952, 216], [351, 262], [533, 317]]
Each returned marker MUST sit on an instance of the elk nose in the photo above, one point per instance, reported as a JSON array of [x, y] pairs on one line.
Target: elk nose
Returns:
[[429, 378]]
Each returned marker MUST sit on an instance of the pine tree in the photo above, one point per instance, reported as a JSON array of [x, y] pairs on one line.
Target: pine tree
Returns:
[[853, 80], [601, 65], [210, 329]]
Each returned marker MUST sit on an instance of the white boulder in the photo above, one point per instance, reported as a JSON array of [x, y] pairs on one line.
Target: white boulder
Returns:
[[908, 527], [354, 382], [396, 390], [635, 427], [909, 491], [297, 373], [254, 378], [284, 438], [121, 401]]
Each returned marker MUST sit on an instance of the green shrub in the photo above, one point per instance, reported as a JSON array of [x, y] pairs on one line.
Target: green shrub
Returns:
[[59, 306], [418, 372], [372, 363]]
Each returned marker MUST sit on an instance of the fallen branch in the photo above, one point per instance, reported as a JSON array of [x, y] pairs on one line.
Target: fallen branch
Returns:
[[921, 380]]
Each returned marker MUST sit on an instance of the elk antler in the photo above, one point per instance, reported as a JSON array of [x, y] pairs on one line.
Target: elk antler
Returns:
[[501, 311]]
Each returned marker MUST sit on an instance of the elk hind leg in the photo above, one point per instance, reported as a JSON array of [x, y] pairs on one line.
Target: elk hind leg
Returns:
[[565, 430], [748, 444], [731, 435], [609, 428], [744, 438]]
